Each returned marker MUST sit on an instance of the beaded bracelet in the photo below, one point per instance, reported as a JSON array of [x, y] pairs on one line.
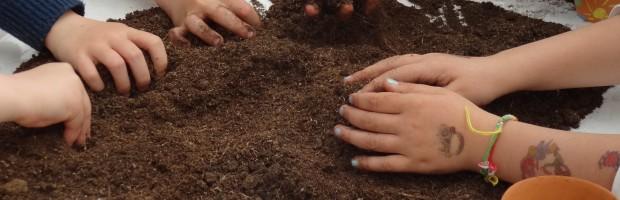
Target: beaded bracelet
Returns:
[[487, 166]]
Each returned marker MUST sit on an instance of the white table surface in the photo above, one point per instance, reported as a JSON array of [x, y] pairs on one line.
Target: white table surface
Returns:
[[602, 120]]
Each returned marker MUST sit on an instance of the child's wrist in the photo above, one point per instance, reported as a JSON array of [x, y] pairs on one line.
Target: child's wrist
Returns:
[[477, 143], [509, 75], [69, 21], [501, 75]]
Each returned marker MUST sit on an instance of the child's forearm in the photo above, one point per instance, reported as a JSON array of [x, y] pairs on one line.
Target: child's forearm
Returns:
[[586, 57], [7, 99], [525, 150]]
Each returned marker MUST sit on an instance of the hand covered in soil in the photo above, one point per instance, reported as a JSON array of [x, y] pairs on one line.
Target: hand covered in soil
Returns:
[[193, 15], [421, 128], [50, 94], [85, 43], [479, 79], [344, 9]]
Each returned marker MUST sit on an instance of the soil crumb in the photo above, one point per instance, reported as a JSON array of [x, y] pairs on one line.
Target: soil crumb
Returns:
[[253, 119]]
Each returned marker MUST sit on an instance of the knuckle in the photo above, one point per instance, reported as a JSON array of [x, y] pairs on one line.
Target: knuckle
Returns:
[[387, 166], [116, 64], [373, 102], [154, 41], [377, 82], [135, 55], [367, 122], [245, 11], [372, 144]]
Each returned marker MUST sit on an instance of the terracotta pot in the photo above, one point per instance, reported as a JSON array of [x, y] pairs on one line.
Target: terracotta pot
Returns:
[[556, 187]]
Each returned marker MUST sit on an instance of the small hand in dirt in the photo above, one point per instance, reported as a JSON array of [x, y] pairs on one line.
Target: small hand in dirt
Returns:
[[479, 79], [421, 128], [85, 43], [344, 9], [193, 15], [50, 94]]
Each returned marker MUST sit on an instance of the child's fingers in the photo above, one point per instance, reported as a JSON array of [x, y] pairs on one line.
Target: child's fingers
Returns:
[[227, 19], [381, 67], [87, 112], [73, 128], [137, 63], [392, 85], [345, 11], [390, 163], [311, 8], [199, 28], [86, 68], [155, 46], [389, 103], [370, 121], [246, 12], [411, 73], [81, 140], [177, 36], [385, 143], [116, 65]]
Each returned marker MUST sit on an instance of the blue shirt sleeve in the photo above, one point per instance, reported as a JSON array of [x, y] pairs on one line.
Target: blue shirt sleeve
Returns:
[[31, 20]]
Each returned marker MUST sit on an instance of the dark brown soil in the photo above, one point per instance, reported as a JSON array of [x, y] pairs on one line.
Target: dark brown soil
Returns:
[[253, 119]]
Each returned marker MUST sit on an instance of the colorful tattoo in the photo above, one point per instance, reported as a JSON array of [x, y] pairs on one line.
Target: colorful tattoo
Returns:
[[610, 159], [543, 159], [452, 142]]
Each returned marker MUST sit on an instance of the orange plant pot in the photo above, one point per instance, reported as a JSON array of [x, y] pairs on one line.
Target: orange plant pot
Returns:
[[556, 187], [595, 10]]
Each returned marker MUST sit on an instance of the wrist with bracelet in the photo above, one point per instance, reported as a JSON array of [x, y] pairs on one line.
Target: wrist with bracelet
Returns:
[[488, 168]]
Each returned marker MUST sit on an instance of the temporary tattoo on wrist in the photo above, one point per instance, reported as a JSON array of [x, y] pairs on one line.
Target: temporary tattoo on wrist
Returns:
[[610, 159], [452, 142], [543, 159]]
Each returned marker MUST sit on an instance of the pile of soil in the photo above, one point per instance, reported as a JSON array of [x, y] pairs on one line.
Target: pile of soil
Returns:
[[253, 119]]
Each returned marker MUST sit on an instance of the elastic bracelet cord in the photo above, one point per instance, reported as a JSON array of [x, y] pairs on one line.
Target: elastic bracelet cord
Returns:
[[487, 166]]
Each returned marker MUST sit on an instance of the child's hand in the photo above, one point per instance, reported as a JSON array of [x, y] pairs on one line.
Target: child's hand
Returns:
[[193, 15], [421, 128], [480, 79], [85, 43], [50, 94], [344, 10]]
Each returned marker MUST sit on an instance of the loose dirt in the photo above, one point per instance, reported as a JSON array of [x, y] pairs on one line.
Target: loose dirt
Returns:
[[253, 119]]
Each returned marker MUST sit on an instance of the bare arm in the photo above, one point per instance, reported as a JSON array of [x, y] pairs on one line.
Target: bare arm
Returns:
[[582, 58], [422, 129], [524, 150], [586, 57]]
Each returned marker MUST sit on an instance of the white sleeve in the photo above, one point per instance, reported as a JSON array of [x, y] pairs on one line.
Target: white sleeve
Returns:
[[615, 11], [615, 186]]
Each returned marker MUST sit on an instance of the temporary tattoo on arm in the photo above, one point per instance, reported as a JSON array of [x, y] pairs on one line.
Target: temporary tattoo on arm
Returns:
[[451, 142], [543, 159], [610, 159]]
